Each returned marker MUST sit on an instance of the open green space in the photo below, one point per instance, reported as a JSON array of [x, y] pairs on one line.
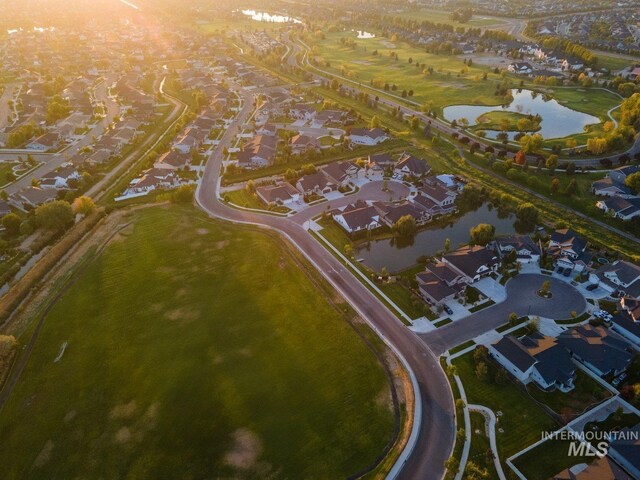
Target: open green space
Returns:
[[520, 419], [243, 198], [496, 119], [440, 16], [184, 359], [439, 80]]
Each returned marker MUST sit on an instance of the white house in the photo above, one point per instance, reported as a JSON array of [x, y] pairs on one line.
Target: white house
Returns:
[[364, 136]]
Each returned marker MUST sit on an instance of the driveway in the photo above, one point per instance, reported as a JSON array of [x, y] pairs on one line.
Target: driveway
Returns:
[[521, 299]]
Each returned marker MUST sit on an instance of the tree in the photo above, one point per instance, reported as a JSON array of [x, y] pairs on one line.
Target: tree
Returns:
[[83, 205], [183, 194], [520, 158], [633, 182], [482, 234], [513, 319], [527, 213], [452, 464], [447, 245], [55, 215], [405, 227], [546, 287], [555, 185], [531, 143], [11, 223], [375, 122], [482, 371], [552, 162], [250, 187]]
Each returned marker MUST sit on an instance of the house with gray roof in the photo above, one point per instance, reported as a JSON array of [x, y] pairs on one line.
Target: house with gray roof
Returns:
[[357, 217], [621, 276], [569, 250], [600, 351], [536, 358], [623, 208], [527, 251], [412, 166], [282, 193], [624, 450]]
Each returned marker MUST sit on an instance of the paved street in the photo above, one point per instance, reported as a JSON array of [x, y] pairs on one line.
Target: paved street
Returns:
[[436, 425], [521, 299]]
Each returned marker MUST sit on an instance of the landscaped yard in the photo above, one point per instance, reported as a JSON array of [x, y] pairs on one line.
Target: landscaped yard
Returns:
[[547, 459], [519, 417], [570, 405], [195, 347], [480, 451]]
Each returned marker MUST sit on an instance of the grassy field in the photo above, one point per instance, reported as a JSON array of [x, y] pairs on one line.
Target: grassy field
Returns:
[[440, 16], [184, 360], [555, 453], [521, 420], [451, 81]]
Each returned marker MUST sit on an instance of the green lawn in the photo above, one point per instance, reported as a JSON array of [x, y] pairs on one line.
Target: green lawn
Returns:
[[547, 459], [184, 360], [521, 419], [586, 393], [242, 198], [480, 451]]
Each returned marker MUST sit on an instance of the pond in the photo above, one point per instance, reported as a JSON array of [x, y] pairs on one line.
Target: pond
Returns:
[[267, 17], [396, 257], [557, 120]]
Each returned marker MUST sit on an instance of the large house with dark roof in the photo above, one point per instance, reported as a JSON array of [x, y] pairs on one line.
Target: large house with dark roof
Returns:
[[341, 173], [316, 183], [624, 450], [626, 321], [536, 358], [474, 262], [527, 251], [597, 349], [357, 217], [600, 469], [412, 166], [569, 250], [620, 276], [364, 136], [281, 193]]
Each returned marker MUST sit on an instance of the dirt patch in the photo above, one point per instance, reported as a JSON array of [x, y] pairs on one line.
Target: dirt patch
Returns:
[[181, 292], [70, 416], [150, 416], [45, 454], [245, 352], [122, 234], [221, 244], [246, 450], [282, 263], [123, 410], [384, 399], [123, 435], [182, 314], [156, 307], [202, 231]]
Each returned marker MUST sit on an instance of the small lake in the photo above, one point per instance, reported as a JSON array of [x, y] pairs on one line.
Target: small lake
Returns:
[[267, 17], [557, 120], [386, 253]]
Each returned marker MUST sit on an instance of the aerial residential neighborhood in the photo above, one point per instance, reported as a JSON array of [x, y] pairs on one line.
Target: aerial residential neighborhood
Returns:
[[323, 239]]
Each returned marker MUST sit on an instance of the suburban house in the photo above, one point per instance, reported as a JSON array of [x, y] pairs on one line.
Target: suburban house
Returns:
[[520, 68], [392, 212], [302, 112], [412, 166], [303, 143], [153, 179], [267, 129], [381, 160], [173, 160], [364, 136], [259, 152], [281, 193], [357, 217], [186, 142], [569, 250], [527, 251], [31, 197], [44, 142], [626, 321], [607, 187], [569, 64], [623, 208], [440, 282], [597, 349], [620, 276], [59, 179], [619, 175], [440, 195], [536, 358], [624, 450], [341, 173], [474, 262], [316, 183]]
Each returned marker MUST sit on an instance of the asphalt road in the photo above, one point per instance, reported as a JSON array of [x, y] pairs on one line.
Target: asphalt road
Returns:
[[437, 427], [521, 299]]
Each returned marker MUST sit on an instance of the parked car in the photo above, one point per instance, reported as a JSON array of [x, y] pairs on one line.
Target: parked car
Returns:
[[592, 287], [447, 309]]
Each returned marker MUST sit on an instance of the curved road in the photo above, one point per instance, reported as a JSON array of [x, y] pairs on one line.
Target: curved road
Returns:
[[436, 430]]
